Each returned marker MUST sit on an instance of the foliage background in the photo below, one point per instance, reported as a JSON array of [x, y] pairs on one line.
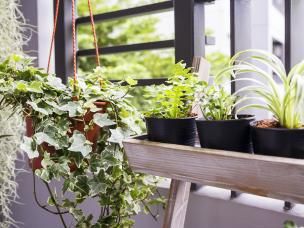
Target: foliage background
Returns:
[[139, 65]]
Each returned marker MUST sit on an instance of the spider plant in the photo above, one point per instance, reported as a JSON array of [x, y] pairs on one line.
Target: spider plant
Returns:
[[284, 99]]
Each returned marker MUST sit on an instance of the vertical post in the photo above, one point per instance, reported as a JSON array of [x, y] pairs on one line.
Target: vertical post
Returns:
[[63, 42], [287, 35], [232, 36], [189, 30], [287, 10]]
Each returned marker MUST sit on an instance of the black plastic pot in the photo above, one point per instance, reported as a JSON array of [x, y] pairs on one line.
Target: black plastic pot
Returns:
[[176, 131], [280, 142], [226, 134]]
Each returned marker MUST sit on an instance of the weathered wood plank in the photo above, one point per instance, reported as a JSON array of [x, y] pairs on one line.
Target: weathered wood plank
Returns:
[[177, 204], [275, 177]]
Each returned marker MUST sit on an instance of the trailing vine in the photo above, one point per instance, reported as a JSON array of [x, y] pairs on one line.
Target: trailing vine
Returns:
[[87, 169]]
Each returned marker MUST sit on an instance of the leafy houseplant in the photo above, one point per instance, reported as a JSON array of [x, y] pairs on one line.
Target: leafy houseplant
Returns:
[[170, 118], [220, 128], [283, 135], [86, 168]]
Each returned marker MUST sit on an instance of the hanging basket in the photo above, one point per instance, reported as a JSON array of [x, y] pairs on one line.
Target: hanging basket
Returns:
[[91, 135], [77, 124]]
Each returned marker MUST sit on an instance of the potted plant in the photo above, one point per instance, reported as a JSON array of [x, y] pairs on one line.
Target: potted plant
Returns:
[[220, 128], [278, 92], [170, 119], [101, 173]]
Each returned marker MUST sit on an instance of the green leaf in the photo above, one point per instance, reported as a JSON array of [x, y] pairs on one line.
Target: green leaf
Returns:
[[97, 187], [117, 136], [21, 86], [56, 83], [131, 81], [102, 120], [290, 224], [35, 87], [80, 144], [66, 185], [28, 147], [73, 107], [41, 137], [50, 201], [38, 109]]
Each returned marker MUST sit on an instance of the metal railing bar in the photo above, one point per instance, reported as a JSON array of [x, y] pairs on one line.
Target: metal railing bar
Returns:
[[130, 12]]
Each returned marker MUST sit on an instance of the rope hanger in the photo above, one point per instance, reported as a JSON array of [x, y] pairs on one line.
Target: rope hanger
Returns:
[[73, 37]]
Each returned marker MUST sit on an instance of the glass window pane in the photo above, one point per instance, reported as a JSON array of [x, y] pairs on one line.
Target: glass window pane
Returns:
[[127, 31], [103, 6], [138, 65]]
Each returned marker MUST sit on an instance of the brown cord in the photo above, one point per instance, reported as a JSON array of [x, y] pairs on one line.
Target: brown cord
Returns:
[[94, 33], [73, 37], [53, 35]]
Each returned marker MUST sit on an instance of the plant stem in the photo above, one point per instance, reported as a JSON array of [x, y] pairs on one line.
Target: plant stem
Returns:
[[44, 207], [149, 210], [56, 205]]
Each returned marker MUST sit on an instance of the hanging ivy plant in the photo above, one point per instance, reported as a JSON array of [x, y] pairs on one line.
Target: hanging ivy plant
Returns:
[[88, 169]]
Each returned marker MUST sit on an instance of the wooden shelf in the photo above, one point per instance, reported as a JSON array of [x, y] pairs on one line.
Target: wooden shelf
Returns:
[[280, 178]]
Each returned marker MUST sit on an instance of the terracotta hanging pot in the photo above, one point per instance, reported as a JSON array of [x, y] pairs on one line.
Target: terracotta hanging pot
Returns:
[[91, 135]]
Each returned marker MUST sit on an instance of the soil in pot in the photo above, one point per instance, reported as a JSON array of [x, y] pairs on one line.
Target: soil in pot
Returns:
[[92, 134], [175, 131], [269, 138], [231, 134]]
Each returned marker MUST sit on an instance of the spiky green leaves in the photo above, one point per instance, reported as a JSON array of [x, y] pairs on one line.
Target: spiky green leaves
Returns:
[[284, 100]]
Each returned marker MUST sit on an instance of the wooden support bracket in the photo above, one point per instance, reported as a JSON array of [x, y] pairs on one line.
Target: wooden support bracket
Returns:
[[177, 204]]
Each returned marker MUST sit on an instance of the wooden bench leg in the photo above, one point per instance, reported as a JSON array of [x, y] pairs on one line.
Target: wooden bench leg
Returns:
[[177, 204]]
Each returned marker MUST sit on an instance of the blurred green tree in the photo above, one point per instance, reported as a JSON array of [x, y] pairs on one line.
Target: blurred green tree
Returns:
[[143, 64], [139, 65]]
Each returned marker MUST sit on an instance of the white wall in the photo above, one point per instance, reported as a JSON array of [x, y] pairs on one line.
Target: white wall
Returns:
[[45, 27], [297, 31]]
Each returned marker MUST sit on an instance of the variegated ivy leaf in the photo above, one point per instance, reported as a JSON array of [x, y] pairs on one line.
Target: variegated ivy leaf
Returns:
[[132, 124], [35, 87], [117, 136], [90, 105], [80, 144], [131, 81], [28, 147], [56, 83], [102, 120], [73, 107], [42, 137], [38, 109], [56, 107], [97, 187], [21, 86], [47, 161]]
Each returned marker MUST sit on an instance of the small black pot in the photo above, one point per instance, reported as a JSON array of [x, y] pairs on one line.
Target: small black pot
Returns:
[[280, 142], [176, 131], [226, 134]]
